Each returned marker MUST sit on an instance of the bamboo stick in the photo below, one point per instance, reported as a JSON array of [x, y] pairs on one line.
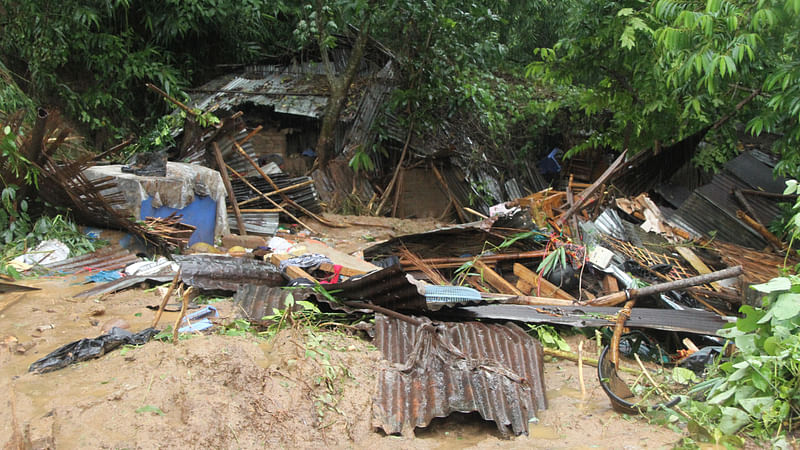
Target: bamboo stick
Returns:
[[227, 182], [619, 297], [274, 203]]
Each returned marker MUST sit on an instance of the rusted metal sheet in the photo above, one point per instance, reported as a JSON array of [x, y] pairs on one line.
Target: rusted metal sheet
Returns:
[[225, 272], [107, 258], [440, 368], [122, 283], [253, 302], [386, 287]]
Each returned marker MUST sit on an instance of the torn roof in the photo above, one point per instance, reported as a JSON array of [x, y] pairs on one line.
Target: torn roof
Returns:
[[712, 207], [287, 90]]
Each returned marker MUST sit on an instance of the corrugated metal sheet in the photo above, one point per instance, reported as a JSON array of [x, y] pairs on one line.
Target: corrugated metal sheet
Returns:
[[225, 272], [107, 258], [123, 283], [441, 368], [253, 302], [713, 207], [688, 320], [285, 90], [261, 224], [386, 287], [702, 215]]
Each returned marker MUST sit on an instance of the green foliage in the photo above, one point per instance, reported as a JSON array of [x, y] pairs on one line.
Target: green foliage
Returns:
[[549, 337], [19, 232], [150, 409], [93, 58], [556, 258], [756, 390]]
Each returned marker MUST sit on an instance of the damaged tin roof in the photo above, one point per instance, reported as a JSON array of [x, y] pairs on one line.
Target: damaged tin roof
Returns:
[[440, 368], [288, 91], [107, 258], [225, 272], [387, 287], [711, 209]]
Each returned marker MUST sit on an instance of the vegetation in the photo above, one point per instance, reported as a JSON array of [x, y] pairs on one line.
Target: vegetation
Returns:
[[625, 74]]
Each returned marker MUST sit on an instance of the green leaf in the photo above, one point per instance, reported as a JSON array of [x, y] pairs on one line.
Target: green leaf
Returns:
[[722, 396], [750, 320], [786, 307], [774, 285], [791, 187], [732, 420], [756, 405], [152, 409], [683, 376]]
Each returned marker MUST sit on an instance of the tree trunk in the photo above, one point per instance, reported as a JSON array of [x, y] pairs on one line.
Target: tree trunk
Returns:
[[339, 87]]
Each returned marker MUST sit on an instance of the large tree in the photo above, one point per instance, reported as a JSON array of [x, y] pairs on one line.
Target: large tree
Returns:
[[647, 73]]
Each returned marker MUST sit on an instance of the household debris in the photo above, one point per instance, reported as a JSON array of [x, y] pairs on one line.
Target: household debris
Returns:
[[87, 348], [566, 257]]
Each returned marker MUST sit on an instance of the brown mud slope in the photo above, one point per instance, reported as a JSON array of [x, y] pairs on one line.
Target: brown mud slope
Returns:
[[295, 390]]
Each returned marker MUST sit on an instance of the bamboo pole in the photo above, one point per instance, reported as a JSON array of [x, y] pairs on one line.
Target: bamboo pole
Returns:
[[227, 182], [283, 194], [166, 297], [622, 296], [274, 203]]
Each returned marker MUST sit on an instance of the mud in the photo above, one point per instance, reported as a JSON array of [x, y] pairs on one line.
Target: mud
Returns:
[[300, 389]]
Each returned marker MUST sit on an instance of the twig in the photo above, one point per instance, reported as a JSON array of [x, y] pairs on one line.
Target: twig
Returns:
[[184, 307], [166, 297], [655, 385]]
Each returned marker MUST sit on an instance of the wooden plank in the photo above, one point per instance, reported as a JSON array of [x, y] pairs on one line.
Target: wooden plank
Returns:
[[292, 271], [338, 257], [495, 280], [545, 288], [346, 271], [610, 284], [697, 263]]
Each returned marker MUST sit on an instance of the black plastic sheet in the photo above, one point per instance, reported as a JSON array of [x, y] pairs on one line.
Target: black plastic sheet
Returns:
[[89, 348]]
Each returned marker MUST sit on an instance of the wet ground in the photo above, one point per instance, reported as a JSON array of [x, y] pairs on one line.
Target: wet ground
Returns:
[[219, 391]]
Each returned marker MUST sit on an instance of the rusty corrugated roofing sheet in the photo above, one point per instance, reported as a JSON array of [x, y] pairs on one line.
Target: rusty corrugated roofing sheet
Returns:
[[387, 287], [440, 368], [107, 258], [225, 272], [253, 302]]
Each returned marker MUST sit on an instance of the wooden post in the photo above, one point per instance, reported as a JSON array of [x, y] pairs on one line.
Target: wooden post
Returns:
[[224, 172]]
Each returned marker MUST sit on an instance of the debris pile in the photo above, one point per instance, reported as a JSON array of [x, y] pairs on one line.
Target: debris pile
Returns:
[[448, 303]]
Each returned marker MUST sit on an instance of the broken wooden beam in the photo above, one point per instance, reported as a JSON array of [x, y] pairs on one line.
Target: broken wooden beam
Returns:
[[496, 280], [622, 296], [223, 171], [542, 286]]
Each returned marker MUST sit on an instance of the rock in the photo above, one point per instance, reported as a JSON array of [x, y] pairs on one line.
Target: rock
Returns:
[[119, 323], [97, 310]]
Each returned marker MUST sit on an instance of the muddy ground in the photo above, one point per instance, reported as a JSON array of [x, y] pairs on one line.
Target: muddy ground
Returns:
[[220, 391]]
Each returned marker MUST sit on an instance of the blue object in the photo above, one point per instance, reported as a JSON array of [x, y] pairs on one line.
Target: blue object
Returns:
[[198, 320], [103, 276], [202, 213], [550, 163]]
